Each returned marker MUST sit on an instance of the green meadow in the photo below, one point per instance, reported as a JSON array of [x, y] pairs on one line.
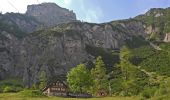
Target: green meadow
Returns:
[[16, 96]]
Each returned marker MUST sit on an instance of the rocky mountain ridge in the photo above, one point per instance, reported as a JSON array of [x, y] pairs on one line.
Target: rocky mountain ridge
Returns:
[[37, 17], [58, 49]]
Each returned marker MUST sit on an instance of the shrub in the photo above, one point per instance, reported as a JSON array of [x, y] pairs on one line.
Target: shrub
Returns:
[[148, 92], [163, 93], [8, 89], [1, 90], [31, 93], [11, 85]]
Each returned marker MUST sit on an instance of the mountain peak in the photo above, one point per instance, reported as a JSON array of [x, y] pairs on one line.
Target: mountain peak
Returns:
[[50, 14]]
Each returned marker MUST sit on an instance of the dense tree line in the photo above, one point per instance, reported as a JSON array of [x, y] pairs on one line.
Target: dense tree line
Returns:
[[126, 79]]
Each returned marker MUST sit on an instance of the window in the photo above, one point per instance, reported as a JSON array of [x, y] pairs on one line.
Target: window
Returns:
[[63, 89]]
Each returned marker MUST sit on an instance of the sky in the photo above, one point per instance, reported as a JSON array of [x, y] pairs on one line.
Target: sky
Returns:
[[95, 11]]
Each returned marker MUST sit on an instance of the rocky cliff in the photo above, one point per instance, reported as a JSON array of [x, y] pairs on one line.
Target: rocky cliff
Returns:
[[37, 17], [61, 48], [157, 23], [56, 50], [50, 14]]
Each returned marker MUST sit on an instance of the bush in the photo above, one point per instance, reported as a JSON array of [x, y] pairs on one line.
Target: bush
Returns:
[[116, 86], [11, 85], [1, 90], [163, 93], [8, 89], [148, 92], [31, 93]]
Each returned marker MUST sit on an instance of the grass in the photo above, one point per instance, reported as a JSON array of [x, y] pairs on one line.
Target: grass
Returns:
[[16, 96]]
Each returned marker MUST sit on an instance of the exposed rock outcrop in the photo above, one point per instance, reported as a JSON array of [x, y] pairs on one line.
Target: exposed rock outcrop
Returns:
[[50, 14], [167, 37], [9, 56]]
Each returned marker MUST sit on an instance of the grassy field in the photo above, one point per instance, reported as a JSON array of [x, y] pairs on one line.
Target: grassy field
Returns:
[[14, 96]]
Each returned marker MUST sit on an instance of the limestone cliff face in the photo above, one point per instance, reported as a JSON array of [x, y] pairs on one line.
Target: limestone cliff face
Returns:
[[61, 48], [50, 14], [9, 56], [26, 24]]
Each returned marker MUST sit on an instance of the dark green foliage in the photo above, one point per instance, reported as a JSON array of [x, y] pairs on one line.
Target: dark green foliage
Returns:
[[152, 60], [159, 62], [131, 80], [165, 47], [109, 57], [11, 89], [136, 41], [31, 93], [8, 89], [148, 92], [140, 54], [116, 85], [11, 85], [163, 93]]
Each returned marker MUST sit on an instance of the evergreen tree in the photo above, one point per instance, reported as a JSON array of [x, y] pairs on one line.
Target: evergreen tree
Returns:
[[42, 79], [131, 74], [99, 76], [127, 68]]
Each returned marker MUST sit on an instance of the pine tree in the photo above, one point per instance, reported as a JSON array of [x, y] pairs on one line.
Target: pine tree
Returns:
[[126, 67], [131, 74], [43, 80], [99, 76]]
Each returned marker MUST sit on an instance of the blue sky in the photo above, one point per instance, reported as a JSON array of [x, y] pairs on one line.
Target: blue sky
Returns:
[[96, 11]]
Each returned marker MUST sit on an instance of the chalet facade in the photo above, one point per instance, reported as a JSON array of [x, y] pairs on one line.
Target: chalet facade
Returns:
[[58, 88]]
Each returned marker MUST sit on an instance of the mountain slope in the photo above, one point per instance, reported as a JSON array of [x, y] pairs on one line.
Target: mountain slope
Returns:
[[157, 23], [57, 49]]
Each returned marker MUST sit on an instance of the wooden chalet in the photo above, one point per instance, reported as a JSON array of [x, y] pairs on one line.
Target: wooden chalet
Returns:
[[57, 88]]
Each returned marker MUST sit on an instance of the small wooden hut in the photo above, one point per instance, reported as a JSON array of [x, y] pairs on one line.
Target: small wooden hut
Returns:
[[57, 88]]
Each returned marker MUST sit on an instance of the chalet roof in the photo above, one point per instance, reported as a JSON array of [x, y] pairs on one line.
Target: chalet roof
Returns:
[[50, 84]]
